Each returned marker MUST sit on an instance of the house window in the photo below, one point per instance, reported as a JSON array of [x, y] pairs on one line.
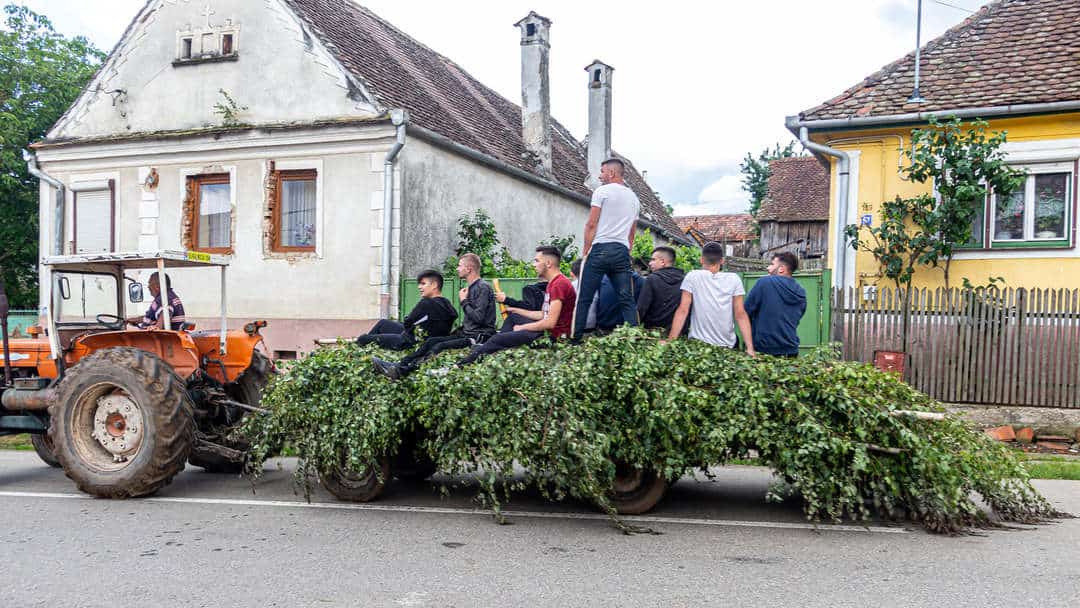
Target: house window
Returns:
[[185, 48], [94, 218], [226, 44], [211, 213], [1039, 213], [295, 211]]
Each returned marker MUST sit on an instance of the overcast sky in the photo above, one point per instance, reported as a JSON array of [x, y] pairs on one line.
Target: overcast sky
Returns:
[[697, 84]]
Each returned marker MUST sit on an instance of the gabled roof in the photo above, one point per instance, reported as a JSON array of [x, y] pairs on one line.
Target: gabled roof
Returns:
[[723, 228], [798, 191], [442, 97], [1010, 52]]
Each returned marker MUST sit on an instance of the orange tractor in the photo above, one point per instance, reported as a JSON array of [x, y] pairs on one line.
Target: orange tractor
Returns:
[[119, 408]]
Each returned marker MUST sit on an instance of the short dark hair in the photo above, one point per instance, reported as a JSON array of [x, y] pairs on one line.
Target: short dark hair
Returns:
[[668, 252], [168, 281], [615, 161], [433, 275], [549, 251], [713, 253], [575, 267], [788, 259]]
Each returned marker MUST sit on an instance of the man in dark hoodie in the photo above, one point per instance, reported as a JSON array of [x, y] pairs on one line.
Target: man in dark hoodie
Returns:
[[776, 305], [434, 313], [662, 291], [532, 298], [477, 302]]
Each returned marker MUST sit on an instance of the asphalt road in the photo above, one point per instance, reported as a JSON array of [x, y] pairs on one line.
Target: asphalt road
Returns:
[[212, 540]]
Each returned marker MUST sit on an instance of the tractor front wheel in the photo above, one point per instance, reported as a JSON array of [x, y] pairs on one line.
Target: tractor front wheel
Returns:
[[122, 425], [44, 449]]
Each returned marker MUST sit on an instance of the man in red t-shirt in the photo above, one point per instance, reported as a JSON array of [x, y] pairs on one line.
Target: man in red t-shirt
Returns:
[[555, 316]]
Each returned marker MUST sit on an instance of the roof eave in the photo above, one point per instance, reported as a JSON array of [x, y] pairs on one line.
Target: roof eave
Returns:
[[794, 123]]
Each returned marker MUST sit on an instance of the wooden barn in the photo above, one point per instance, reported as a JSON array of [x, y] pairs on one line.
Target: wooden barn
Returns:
[[794, 215]]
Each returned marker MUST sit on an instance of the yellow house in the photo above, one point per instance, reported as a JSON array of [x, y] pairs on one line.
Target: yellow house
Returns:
[[1015, 64]]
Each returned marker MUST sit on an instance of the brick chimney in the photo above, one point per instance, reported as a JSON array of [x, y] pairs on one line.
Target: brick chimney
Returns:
[[599, 138], [536, 91]]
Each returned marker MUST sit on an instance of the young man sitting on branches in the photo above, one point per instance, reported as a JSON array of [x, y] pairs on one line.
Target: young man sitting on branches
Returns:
[[555, 316], [434, 313], [713, 301], [477, 303]]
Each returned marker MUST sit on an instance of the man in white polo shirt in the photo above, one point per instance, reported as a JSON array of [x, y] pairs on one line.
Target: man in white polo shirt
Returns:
[[717, 300], [609, 236]]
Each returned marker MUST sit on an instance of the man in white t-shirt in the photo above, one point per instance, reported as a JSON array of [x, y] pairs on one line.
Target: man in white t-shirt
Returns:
[[717, 300], [609, 236]]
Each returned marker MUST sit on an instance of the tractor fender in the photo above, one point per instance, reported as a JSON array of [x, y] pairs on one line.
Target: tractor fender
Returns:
[[175, 348]]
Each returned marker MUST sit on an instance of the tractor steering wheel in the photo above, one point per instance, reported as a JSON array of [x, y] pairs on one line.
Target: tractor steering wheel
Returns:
[[113, 322]]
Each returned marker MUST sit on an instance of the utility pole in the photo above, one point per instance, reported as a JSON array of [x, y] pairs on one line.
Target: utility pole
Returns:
[[915, 96]]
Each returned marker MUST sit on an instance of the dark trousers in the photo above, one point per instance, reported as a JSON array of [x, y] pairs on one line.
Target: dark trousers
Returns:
[[430, 348], [613, 260], [500, 341], [388, 334]]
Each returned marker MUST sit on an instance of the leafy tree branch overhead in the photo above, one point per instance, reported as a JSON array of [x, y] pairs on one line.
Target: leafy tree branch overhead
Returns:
[[42, 72]]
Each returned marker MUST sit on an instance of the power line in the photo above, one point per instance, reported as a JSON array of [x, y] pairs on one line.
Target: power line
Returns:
[[959, 8]]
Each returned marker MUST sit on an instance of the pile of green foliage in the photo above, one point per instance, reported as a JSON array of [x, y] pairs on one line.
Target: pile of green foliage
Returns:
[[564, 413]]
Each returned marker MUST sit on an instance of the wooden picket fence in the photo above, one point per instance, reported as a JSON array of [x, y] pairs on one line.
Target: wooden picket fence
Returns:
[[991, 346]]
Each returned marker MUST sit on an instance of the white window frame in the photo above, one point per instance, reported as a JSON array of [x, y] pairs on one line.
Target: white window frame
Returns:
[[1029, 205]]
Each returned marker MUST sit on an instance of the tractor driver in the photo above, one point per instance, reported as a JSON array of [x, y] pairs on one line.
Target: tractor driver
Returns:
[[153, 318]]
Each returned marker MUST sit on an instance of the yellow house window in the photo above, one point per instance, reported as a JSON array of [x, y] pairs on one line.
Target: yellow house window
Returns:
[[1039, 214]]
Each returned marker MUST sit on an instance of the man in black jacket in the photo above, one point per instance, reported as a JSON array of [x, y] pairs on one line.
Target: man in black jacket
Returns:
[[434, 313], [662, 292], [478, 304]]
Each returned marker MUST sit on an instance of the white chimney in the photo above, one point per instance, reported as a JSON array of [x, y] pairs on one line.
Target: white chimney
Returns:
[[599, 138], [535, 91]]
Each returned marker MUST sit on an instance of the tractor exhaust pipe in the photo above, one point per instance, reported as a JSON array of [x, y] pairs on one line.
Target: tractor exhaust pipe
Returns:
[[4, 309], [28, 401]]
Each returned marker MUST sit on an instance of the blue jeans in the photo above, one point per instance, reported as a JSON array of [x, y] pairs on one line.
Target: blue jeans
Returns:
[[613, 260]]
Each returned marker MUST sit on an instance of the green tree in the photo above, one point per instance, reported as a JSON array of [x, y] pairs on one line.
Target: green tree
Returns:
[[41, 74], [963, 166], [755, 172]]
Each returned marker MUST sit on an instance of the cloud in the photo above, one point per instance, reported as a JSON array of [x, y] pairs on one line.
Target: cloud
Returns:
[[723, 195]]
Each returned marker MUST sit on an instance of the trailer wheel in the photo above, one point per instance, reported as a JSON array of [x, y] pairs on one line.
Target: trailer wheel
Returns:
[[44, 448], [122, 425], [364, 485], [636, 490]]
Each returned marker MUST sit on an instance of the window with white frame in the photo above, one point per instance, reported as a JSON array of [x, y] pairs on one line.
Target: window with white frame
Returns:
[[94, 217], [1039, 213]]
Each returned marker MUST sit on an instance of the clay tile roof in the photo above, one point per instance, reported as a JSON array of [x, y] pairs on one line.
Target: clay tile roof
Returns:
[[1009, 52], [798, 191], [442, 97], [724, 228]]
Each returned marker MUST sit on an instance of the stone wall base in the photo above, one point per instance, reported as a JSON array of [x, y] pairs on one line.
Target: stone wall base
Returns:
[[1048, 420]]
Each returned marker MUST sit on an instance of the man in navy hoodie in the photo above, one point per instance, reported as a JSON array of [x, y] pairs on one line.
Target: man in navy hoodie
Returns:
[[776, 305]]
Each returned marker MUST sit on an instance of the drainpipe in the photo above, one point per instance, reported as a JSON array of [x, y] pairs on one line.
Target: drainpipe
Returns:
[[58, 249], [843, 179], [58, 211], [400, 119]]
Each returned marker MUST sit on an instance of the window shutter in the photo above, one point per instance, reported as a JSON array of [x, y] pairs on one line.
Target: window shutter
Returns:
[[94, 221]]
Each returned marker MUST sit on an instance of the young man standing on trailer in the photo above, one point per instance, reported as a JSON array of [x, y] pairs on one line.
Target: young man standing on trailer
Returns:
[[478, 304], [717, 300], [609, 237], [776, 304]]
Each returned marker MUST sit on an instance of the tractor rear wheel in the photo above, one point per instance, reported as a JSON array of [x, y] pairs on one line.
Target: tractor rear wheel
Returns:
[[247, 389], [122, 425], [44, 449], [636, 490], [364, 485]]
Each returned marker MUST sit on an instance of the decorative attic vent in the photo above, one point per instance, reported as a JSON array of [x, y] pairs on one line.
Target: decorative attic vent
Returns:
[[207, 43]]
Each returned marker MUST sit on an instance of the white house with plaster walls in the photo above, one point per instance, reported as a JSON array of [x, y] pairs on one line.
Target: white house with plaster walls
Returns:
[[264, 130]]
